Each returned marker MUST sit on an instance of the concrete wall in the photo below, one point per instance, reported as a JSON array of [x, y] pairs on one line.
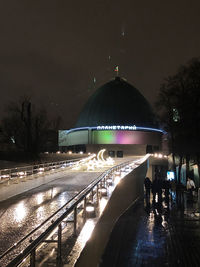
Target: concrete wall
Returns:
[[128, 150], [126, 137], [105, 138], [130, 189], [77, 138]]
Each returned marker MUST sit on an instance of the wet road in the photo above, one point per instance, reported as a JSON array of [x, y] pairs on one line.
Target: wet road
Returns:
[[23, 213]]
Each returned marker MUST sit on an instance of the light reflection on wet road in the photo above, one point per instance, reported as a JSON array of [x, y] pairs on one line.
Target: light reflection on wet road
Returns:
[[21, 214], [160, 233]]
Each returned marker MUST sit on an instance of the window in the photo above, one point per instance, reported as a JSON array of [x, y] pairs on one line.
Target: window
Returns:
[[111, 154], [120, 154]]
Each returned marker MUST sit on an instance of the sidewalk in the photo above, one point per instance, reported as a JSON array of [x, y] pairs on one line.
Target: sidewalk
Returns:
[[165, 234]]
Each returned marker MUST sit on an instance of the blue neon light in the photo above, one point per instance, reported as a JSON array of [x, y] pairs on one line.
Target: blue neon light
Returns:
[[121, 129]]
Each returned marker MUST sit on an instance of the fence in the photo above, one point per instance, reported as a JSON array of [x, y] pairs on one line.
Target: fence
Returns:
[[20, 173], [55, 224]]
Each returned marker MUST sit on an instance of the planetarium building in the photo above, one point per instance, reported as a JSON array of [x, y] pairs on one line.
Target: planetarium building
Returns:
[[118, 118]]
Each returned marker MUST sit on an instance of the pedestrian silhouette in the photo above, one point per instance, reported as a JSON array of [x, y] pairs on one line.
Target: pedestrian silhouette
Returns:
[[147, 185], [157, 189], [166, 187], [190, 188]]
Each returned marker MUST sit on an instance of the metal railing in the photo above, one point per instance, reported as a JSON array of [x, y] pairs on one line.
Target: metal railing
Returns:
[[20, 173], [54, 224]]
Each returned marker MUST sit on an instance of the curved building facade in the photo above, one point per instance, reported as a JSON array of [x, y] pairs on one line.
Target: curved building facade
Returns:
[[116, 117]]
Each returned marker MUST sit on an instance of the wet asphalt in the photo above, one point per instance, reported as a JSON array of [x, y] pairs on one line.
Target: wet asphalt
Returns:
[[23, 213], [156, 234]]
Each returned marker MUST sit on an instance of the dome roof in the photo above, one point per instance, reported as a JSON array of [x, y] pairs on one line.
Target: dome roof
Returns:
[[117, 103]]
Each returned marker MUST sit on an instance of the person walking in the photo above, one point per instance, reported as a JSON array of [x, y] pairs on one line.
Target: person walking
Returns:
[[166, 187], [147, 185], [190, 188], [157, 189]]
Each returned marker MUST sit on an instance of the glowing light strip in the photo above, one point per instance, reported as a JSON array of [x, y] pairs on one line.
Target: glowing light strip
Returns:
[[150, 129], [118, 128]]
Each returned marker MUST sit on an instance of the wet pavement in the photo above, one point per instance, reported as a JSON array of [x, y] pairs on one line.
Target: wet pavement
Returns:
[[23, 213], [156, 234]]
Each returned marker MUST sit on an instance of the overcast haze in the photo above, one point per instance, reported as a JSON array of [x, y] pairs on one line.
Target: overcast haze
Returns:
[[52, 50]]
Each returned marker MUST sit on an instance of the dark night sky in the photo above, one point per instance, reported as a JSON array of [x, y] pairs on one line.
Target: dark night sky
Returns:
[[52, 50]]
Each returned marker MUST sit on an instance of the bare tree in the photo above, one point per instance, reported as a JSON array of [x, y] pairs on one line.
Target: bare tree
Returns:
[[27, 126]]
